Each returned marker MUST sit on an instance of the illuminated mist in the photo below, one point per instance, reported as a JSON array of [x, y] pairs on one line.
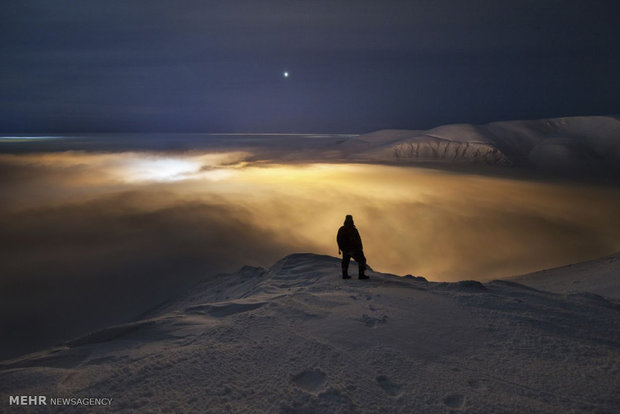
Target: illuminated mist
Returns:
[[443, 225], [114, 233]]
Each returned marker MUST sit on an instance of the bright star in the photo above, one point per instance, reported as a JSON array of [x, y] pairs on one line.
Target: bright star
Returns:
[[285, 74]]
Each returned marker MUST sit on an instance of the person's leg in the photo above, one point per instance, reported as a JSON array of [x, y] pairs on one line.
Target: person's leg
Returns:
[[361, 263], [346, 258]]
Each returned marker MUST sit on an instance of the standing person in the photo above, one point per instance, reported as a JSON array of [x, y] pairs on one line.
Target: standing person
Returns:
[[350, 244]]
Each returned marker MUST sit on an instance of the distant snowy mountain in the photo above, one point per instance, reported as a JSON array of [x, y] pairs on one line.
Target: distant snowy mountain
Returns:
[[296, 338], [589, 143]]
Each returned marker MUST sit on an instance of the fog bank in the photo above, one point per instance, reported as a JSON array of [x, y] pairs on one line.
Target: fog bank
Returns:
[[90, 238]]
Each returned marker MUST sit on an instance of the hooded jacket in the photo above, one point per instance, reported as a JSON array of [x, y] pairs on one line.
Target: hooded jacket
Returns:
[[348, 238]]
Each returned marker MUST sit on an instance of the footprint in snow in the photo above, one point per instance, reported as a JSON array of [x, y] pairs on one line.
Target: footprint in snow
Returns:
[[371, 322], [454, 401], [388, 386], [475, 384], [309, 380]]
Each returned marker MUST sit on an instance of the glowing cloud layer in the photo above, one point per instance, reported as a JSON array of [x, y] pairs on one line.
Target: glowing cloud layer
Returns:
[[112, 234]]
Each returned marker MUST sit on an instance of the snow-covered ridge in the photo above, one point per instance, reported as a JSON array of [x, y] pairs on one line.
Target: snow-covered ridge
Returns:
[[600, 277], [588, 142], [298, 338]]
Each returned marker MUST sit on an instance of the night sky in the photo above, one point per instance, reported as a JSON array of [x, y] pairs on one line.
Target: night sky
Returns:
[[355, 66]]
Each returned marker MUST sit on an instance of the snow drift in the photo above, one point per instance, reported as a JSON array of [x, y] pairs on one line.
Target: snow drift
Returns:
[[599, 277], [296, 338]]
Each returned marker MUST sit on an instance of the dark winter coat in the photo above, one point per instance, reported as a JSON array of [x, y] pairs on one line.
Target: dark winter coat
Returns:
[[349, 239]]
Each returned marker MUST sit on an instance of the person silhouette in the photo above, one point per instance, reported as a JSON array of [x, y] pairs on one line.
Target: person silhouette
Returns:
[[350, 244]]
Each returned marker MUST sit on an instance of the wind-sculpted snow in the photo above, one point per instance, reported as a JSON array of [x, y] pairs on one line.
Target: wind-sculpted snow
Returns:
[[430, 148], [590, 144], [296, 338]]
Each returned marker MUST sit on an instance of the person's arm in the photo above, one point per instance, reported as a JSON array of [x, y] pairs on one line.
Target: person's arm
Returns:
[[339, 240]]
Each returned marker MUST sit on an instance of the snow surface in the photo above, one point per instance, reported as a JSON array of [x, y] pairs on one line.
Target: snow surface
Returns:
[[600, 277], [296, 338]]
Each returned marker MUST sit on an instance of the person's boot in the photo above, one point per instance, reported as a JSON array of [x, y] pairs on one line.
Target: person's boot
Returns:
[[345, 275], [362, 269]]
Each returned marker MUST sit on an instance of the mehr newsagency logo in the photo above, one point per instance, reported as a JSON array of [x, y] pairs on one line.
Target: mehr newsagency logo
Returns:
[[60, 401]]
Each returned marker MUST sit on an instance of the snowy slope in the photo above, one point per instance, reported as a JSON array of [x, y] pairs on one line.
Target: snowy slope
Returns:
[[600, 276], [589, 143], [296, 338]]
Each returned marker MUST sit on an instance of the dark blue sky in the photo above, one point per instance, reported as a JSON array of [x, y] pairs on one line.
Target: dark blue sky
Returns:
[[355, 66]]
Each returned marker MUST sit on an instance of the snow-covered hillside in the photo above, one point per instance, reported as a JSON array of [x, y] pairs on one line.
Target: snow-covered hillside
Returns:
[[599, 276], [589, 143], [296, 338]]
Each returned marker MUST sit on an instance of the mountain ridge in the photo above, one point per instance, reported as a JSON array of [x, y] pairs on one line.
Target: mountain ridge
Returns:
[[587, 143]]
